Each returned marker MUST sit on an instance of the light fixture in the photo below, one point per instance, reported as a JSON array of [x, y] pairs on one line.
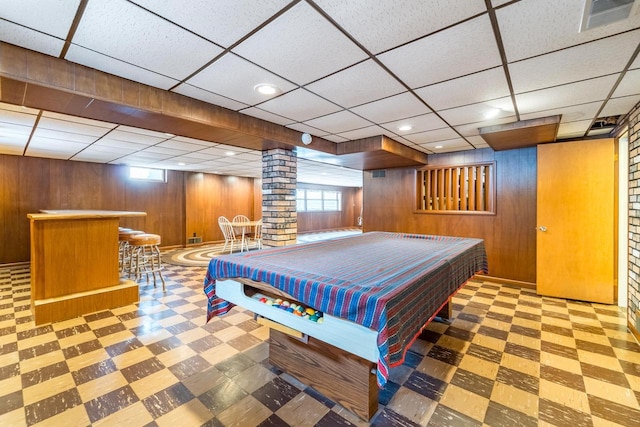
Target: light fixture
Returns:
[[438, 146], [170, 135], [306, 139], [182, 164], [404, 128], [230, 153], [266, 89]]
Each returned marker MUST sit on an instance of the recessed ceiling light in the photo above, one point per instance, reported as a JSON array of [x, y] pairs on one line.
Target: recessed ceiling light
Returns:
[[405, 128], [170, 135], [230, 153], [182, 164], [438, 146], [265, 88]]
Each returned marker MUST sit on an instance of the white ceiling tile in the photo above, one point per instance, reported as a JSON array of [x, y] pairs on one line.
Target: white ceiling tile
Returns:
[[454, 52], [339, 122], [33, 40], [392, 108], [496, 3], [17, 109], [124, 133], [12, 145], [471, 129], [473, 113], [447, 145], [630, 84], [432, 136], [65, 126], [114, 66], [48, 154], [301, 127], [198, 156], [391, 23], [301, 46], [335, 138], [235, 78], [477, 87], [530, 28], [115, 143], [64, 136], [567, 95], [601, 131], [178, 144], [569, 114], [16, 118], [573, 64], [53, 17], [206, 96], [573, 129], [362, 83], [164, 150], [224, 22], [616, 106], [477, 141], [40, 144], [192, 141], [14, 130], [366, 133], [91, 154], [110, 27], [265, 115], [421, 123], [299, 105]]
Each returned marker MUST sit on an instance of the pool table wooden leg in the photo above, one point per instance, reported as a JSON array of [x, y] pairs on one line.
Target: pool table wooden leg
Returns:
[[339, 375]]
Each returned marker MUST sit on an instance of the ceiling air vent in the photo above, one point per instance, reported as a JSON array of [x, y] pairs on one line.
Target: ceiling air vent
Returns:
[[378, 174], [603, 12]]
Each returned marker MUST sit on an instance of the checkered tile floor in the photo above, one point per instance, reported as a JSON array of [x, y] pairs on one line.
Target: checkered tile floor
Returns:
[[509, 358]]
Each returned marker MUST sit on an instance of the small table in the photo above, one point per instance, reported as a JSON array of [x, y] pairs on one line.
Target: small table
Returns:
[[244, 225]]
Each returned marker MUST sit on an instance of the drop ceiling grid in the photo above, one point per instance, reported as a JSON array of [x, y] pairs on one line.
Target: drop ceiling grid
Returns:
[[547, 59]]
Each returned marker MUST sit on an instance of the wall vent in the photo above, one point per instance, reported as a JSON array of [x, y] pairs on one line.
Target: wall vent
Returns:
[[379, 174], [604, 12]]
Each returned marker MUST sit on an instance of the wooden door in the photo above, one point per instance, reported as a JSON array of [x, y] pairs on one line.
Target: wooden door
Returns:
[[576, 208]]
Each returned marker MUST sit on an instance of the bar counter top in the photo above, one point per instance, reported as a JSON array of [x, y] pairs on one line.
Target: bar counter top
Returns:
[[57, 214]]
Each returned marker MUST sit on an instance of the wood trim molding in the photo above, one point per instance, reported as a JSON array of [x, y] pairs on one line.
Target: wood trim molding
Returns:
[[506, 282]]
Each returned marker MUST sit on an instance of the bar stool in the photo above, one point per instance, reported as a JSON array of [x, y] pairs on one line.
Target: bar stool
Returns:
[[124, 250], [145, 256]]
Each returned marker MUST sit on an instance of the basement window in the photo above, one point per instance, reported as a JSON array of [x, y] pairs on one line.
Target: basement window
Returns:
[[148, 174], [468, 189]]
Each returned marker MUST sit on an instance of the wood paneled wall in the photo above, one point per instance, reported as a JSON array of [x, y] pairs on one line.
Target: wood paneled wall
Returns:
[[510, 236], [28, 184], [348, 217], [211, 196], [188, 203]]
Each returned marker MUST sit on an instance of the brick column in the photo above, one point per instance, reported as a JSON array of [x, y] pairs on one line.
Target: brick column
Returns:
[[279, 216], [633, 295]]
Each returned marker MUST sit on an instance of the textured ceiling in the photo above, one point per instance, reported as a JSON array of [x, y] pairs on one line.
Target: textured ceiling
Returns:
[[345, 70]]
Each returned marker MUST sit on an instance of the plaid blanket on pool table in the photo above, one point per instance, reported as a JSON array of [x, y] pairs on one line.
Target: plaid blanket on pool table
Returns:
[[393, 283]]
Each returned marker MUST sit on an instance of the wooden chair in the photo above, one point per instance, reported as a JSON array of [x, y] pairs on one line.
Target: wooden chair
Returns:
[[246, 235], [257, 234], [228, 232]]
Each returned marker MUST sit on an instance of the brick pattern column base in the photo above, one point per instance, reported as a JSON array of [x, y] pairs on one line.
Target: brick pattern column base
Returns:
[[279, 216]]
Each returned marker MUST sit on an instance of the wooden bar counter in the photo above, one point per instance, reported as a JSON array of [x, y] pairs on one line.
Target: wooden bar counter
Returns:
[[74, 264]]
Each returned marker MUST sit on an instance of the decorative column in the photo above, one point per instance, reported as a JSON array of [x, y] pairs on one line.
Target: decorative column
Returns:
[[279, 216], [633, 297]]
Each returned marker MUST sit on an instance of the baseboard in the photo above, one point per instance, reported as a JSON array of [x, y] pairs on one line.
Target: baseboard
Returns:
[[633, 330], [506, 282]]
